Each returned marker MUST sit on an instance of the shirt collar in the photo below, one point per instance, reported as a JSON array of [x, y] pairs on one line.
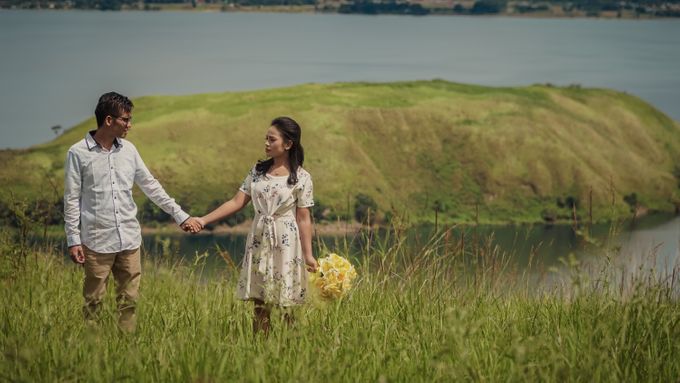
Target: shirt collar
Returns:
[[91, 143]]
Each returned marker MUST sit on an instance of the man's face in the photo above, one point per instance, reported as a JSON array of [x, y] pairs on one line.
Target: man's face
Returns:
[[120, 125]]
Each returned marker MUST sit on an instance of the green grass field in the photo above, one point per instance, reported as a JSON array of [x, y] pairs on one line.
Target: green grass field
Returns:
[[416, 314], [486, 153]]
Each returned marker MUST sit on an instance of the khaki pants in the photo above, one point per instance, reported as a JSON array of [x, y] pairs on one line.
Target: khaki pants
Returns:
[[127, 272]]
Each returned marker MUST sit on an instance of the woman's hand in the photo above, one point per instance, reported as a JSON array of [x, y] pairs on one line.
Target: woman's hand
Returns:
[[311, 263]]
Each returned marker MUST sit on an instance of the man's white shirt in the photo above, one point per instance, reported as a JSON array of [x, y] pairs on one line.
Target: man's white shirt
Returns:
[[99, 211]]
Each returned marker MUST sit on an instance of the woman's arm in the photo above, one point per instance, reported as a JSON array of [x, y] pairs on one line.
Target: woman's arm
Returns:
[[236, 203], [304, 221]]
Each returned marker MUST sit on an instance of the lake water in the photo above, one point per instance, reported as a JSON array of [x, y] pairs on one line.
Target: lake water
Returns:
[[56, 63], [649, 242]]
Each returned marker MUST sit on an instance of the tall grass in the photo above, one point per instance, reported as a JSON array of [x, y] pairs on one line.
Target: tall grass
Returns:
[[442, 311]]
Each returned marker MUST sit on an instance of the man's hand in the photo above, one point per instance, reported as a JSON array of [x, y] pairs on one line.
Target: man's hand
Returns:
[[77, 254], [193, 225]]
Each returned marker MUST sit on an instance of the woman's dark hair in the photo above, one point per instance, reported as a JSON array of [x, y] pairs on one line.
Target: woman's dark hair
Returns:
[[290, 130], [111, 104]]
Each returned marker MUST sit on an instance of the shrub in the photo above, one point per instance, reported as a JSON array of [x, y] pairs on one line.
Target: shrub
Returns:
[[321, 212], [549, 215], [571, 202], [149, 212], [42, 212], [632, 201], [362, 205], [487, 7]]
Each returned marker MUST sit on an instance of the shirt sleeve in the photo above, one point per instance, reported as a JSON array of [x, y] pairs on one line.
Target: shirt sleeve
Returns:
[[153, 189], [305, 194], [245, 186], [72, 193]]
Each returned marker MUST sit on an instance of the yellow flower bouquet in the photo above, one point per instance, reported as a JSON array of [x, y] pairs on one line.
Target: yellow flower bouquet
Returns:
[[334, 277]]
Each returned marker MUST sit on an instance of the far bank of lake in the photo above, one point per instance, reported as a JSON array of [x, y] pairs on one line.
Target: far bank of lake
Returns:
[[622, 10]]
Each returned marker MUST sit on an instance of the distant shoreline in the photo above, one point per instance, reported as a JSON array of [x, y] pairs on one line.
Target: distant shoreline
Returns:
[[313, 9], [344, 227], [335, 228]]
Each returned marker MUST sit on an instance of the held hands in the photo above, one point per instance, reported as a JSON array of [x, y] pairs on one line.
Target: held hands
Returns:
[[193, 225]]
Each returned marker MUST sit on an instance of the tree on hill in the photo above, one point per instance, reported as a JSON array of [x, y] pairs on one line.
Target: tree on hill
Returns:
[[364, 208], [390, 7], [483, 7], [632, 201]]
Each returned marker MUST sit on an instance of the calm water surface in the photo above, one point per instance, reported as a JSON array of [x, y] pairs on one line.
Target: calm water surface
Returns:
[[651, 242], [55, 64]]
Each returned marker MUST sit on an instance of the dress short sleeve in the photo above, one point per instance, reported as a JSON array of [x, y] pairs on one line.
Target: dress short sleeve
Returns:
[[245, 186], [305, 193]]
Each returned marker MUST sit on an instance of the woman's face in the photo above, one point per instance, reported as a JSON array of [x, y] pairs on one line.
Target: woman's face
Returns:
[[275, 144]]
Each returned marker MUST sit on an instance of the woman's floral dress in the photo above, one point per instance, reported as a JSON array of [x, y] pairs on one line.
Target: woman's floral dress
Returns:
[[273, 268]]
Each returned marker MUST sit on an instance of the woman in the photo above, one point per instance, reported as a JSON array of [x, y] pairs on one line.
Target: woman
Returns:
[[279, 244]]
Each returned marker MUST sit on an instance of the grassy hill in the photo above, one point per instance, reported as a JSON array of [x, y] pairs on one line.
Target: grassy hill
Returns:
[[508, 153]]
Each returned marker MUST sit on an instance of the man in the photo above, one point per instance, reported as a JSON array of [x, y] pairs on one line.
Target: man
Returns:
[[102, 230]]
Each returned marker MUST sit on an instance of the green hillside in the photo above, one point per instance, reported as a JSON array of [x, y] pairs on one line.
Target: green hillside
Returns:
[[511, 153]]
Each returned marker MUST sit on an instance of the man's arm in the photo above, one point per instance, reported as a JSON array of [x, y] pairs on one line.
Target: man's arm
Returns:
[[153, 189], [72, 190]]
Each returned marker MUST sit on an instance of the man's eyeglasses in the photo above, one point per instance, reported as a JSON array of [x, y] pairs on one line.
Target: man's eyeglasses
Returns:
[[126, 120]]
